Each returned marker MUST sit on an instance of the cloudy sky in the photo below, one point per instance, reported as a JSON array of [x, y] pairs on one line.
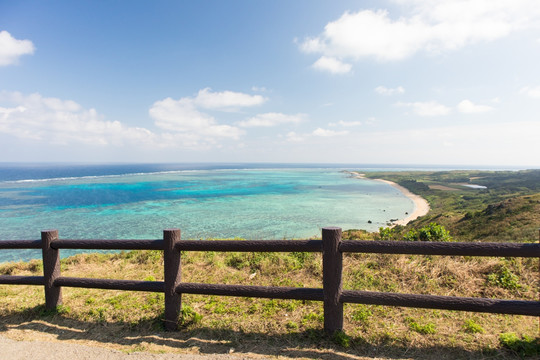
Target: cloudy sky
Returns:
[[391, 82]]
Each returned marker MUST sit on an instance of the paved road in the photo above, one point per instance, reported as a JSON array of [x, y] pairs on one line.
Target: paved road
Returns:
[[42, 350]]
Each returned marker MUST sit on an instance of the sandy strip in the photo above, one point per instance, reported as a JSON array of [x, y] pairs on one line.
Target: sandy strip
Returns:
[[421, 206]]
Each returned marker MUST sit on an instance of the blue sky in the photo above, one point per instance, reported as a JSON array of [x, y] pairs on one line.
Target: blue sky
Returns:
[[395, 82]]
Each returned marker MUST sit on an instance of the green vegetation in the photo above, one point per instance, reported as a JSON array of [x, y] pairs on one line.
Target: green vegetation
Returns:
[[525, 346], [472, 327], [430, 232], [508, 209], [428, 328], [132, 321]]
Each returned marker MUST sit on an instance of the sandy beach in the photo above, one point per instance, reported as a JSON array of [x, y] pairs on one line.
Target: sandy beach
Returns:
[[421, 206]]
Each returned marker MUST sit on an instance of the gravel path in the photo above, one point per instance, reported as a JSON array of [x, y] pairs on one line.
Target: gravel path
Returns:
[[43, 350]]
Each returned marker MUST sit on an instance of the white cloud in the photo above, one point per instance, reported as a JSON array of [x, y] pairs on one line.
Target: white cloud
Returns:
[[346, 123], [533, 92], [423, 25], [319, 132], [430, 108], [182, 116], [11, 49], [271, 119], [389, 91], [509, 143], [225, 100], [332, 65], [371, 120], [328, 133], [59, 121], [468, 107], [258, 89], [294, 137], [186, 116]]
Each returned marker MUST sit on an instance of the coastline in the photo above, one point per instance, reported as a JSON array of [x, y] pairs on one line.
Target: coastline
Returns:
[[421, 206]]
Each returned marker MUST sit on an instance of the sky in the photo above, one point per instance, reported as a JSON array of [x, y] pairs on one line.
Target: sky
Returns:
[[305, 81]]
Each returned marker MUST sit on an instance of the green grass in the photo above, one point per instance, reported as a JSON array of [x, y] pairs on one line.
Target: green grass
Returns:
[[128, 320]]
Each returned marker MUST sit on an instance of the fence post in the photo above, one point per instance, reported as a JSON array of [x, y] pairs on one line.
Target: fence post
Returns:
[[51, 269], [332, 269], [172, 273]]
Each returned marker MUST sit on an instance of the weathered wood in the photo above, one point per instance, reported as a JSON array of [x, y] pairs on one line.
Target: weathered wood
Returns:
[[270, 292], [442, 248], [172, 276], [51, 269], [515, 307], [110, 284], [20, 244], [251, 245], [109, 244], [22, 280], [332, 268]]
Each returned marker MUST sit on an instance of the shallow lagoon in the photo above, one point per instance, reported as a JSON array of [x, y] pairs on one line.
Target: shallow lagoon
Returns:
[[211, 203]]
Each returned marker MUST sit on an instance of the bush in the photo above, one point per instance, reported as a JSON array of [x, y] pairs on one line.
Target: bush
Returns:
[[387, 233], [504, 278], [524, 347], [472, 327], [431, 232]]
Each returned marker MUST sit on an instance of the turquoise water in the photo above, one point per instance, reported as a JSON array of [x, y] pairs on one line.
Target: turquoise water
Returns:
[[205, 203]]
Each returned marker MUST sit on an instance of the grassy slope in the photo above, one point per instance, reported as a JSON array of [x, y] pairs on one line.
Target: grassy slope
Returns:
[[131, 321]]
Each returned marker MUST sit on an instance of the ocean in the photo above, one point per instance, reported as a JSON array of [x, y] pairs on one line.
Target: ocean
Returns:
[[250, 201]]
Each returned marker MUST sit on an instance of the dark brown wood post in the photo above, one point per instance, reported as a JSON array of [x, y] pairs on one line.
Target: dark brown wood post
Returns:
[[332, 269], [51, 269], [172, 270]]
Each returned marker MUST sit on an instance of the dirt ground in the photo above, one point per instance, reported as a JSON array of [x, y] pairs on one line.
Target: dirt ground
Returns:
[[44, 350]]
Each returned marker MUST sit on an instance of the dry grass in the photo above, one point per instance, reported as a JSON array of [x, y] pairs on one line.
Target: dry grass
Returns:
[[130, 321]]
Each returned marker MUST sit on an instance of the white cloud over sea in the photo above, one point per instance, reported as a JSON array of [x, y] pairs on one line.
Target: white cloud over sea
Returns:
[[332, 64], [183, 123], [57, 121], [426, 26], [271, 119], [468, 107], [189, 115], [531, 91], [428, 108], [382, 90], [11, 49]]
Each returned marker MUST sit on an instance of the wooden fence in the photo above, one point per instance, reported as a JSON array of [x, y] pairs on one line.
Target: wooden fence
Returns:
[[331, 294]]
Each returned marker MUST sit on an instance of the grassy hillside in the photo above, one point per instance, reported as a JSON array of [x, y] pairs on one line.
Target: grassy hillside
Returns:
[[507, 209], [131, 321]]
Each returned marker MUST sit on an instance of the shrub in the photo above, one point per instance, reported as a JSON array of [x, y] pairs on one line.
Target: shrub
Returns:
[[504, 278], [431, 232], [527, 346], [342, 339], [428, 328], [472, 327], [387, 233]]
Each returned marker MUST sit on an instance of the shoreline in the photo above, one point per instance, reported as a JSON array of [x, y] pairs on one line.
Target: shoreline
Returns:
[[421, 206]]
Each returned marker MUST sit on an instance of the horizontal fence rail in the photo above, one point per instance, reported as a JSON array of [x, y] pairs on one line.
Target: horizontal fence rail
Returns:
[[252, 245], [20, 244], [108, 244], [331, 294], [441, 248]]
